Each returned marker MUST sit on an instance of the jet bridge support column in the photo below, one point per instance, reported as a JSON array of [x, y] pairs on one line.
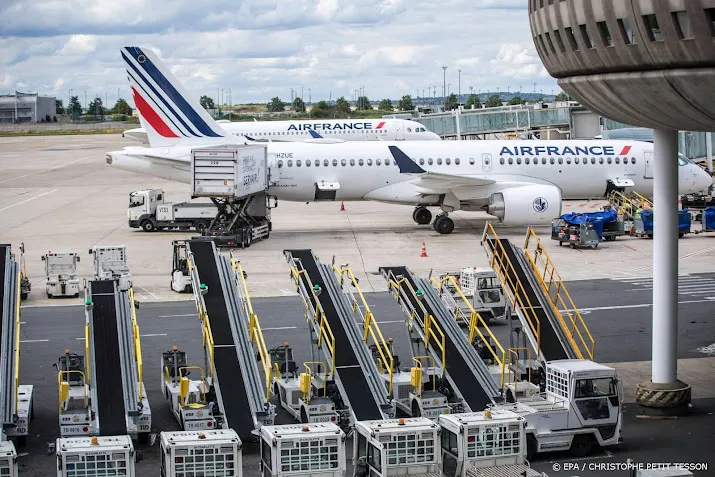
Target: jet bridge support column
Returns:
[[664, 390]]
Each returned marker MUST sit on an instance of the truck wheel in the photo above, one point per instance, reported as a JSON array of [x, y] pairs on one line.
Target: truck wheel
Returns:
[[200, 226], [23, 296], [303, 416], [531, 446], [148, 226], [581, 445], [143, 437]]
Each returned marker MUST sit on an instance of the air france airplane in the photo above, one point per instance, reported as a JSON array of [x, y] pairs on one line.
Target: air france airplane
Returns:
[[386, 129], [518, 182]]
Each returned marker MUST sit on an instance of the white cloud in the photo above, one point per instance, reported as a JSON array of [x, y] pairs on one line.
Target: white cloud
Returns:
[[263, 48]]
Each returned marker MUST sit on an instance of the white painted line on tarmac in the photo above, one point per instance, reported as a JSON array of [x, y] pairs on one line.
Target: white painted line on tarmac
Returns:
[[708, 349], [607, 455], [48, 305], [28, 200], [154, 296], [173, 316], [679, 258], [280, 328], [46, 170], [391, 321], [34, 341], [641, 305], [287, 292], [153, 334]]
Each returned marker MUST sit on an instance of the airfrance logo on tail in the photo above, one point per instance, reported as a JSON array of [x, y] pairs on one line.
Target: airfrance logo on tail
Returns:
[[160, 98], [333, 126], [563, 151]]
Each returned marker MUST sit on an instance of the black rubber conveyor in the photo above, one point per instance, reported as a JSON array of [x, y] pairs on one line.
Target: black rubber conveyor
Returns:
[[234, 399], [107, 368], [347, 366]]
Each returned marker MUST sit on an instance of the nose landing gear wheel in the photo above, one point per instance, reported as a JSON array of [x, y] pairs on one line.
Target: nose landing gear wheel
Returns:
[[443, 225], [422, 215]]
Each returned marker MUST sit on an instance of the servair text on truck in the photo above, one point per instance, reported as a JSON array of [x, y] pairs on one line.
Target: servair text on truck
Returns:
[[148, 210]]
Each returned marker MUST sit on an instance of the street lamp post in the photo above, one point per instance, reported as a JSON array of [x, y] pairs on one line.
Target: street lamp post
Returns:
[[230, 105], [444, 82], [459, 87]]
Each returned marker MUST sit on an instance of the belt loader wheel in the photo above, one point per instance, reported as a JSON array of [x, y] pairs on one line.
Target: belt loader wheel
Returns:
[[581, 445], [531, 446], [148, 226]]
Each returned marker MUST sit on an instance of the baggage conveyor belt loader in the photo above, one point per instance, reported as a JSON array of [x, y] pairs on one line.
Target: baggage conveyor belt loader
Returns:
[[16, 400]]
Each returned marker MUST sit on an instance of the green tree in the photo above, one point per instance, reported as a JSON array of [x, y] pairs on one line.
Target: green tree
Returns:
[[298, 104], [561, 97], [385, 105], [58, 106], [451, 102], [516, 100], [121, 107], [405, 104], [473, 100], [363, 103], [74, 107], [342, 105], [95, 107], [276, 105], [207, 102], [493, 101], [321, 109]]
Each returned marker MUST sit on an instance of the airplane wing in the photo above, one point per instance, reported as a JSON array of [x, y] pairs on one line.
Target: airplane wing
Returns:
[[434, 180]]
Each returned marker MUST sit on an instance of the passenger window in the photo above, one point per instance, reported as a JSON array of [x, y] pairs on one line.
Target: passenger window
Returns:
[[593, 160], [317, 162], [352, 162], [576, 160], [568, 160], [600, 160], [326, 162], [471, 160], [360, 162], [387, 162], [501, 160], [422, 162], [511, 160], [518, 160], [456, 161], [378, 162], [290, 163], [526, 160], [369, 162], [439, 161], [344, 162], [552, 160], [298, 163], [609, 160], [307, 163], [618, 160], [280, 164], [561, 160], [429, 161], [633, 160], [543, 160], [448, 161]]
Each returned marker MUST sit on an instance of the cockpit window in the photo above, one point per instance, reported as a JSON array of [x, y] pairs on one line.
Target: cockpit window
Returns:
[[683, 160]]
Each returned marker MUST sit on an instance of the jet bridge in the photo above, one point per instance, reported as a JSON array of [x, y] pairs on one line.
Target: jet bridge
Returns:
[[229, 329], [329, 312], [550, 320], [458, 358], [15, 399], [118, 398]]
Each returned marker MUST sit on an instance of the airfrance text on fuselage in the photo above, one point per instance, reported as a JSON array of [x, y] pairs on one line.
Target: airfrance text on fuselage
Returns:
[[328, 126], [562, 151]]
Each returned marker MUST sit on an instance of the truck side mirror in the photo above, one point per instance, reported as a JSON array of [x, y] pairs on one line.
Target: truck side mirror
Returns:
[[90, 251], [43, 258], [78, 258]]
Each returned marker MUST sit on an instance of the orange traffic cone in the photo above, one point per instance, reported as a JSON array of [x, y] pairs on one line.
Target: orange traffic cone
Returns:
[[424, 250], [342, 206]]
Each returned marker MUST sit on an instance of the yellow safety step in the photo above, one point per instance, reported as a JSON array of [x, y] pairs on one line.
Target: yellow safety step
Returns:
[[569, 317]]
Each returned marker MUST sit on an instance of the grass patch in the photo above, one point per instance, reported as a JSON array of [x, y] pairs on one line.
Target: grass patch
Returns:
[[60, 132]]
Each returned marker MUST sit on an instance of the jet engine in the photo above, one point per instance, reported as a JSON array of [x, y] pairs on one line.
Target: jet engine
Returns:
[[526, 205]]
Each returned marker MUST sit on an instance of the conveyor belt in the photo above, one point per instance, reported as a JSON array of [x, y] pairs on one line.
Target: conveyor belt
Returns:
[[347, 365], [107, 361], [6, 343], [231, 389], [475, 385], [553, 346]]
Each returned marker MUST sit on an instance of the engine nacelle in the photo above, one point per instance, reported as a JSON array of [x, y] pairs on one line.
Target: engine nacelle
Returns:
[[526, 205]]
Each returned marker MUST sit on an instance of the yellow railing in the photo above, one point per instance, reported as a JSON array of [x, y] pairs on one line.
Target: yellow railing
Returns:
[[203, 381], [474, 320], [17, 338], [137, 345], [86, 351], [431, 328], [306, 395], [513, 288], [418, 361], [640, 201], [254, 327], [325, 333], [371, 328], [576, 330], [623, 204], [514, 374], [59, 386]]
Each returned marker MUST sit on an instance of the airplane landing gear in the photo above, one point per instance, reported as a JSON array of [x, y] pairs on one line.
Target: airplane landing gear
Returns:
[[422, 215], [443, 224]]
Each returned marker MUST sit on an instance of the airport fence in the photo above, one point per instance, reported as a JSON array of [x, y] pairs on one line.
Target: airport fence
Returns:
[[77, 127]]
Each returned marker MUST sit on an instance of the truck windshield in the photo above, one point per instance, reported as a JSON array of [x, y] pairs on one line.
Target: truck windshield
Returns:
[[601, 387], [593, 396], [490, 296], [488, 283], [135, 200]]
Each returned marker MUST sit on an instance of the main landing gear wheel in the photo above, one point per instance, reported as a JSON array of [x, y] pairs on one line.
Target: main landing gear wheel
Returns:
[[422, 215], [443, 225]]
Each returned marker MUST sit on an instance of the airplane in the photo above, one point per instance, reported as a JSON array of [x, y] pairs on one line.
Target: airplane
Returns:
[[518, 182], [385, 129]]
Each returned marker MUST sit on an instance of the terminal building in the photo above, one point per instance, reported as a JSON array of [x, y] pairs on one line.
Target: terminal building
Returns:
[[26, 108]]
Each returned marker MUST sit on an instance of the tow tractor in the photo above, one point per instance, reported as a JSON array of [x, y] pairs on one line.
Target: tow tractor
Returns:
[[61, 274], [74, 394], [216, 452], [180, 276], [304, 395], [481, 286], [580, 409], [25, 285], [303, 450], [8, 459], [110, 263], [96, 456], [187, 398], [491, 442]]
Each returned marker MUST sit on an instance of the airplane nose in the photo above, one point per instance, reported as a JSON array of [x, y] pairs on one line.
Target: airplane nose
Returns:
[[703, 180]]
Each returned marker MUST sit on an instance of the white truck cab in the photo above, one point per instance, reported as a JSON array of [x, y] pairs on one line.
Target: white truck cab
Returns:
[[110, 262], [8, 459], [95, 456], [483, 288], [61, 274], [310, 450], [581, 408], [492, 441], [210, 452], [397, 447], [148, 210]]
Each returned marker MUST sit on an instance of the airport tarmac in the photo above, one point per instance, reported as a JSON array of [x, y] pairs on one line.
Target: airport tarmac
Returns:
[[57, 193]]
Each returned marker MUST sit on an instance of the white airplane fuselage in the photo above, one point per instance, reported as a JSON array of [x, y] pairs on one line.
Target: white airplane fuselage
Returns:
[[367, 171]]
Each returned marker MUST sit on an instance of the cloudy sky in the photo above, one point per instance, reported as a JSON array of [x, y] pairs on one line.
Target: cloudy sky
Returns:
[[262, 48]]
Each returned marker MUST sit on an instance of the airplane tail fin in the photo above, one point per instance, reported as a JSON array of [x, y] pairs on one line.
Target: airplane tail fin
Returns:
[[165, 110]]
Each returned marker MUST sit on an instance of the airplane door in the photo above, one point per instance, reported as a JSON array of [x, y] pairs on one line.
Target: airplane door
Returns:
[[648, 165], [274, 172], [486, 162], [399, 132]]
